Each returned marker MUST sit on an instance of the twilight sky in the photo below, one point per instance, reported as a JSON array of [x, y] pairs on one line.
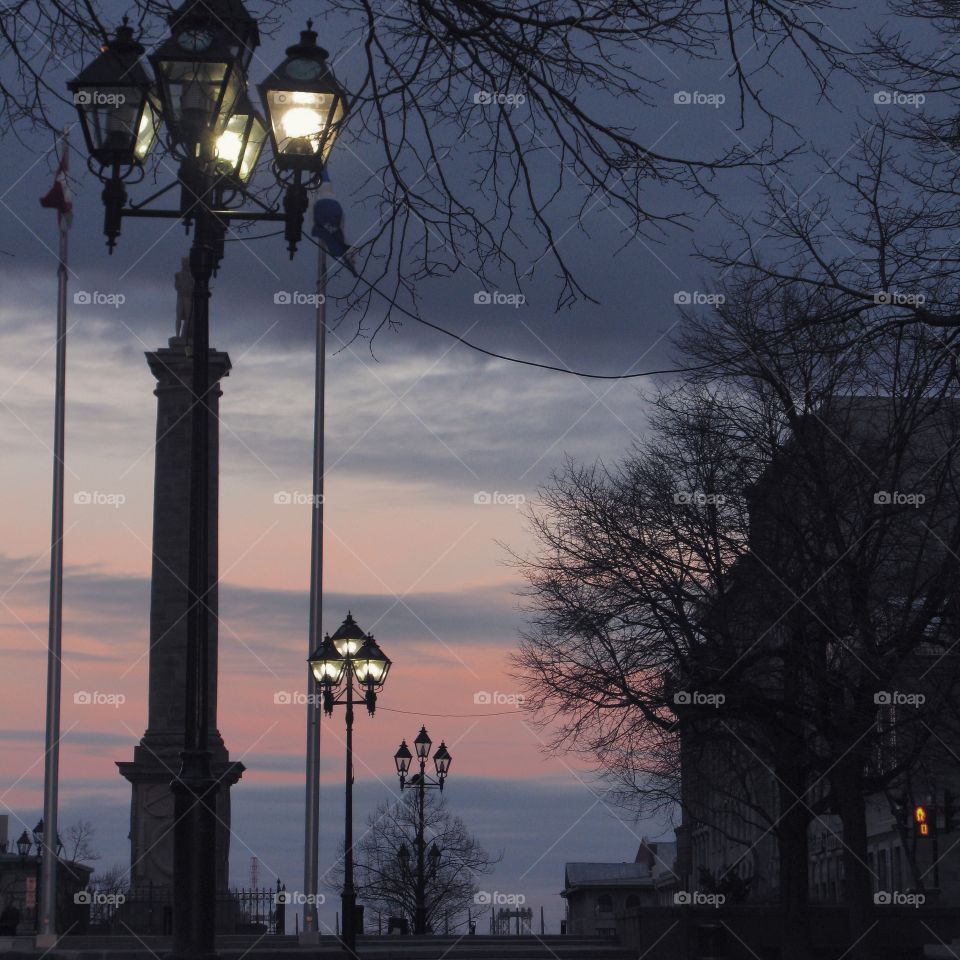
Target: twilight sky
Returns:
[[416, 427]]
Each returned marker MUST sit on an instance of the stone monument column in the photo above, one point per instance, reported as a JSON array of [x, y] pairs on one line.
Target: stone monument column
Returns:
[[156, 759]]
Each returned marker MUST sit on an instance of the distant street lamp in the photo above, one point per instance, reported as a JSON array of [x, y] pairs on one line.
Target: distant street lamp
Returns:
[[441, 759], [39, 833], [23, 845], [214, 134], [349, 654]]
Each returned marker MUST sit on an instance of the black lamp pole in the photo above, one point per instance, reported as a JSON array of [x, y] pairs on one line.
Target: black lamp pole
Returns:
[[420, 916], [441, 760], [195, 787], [348, 896], [216, 134], [352, 652]]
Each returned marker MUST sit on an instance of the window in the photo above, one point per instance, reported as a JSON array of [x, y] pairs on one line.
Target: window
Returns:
[[604, 903], [633, 901], [884, 878], [897, 869]]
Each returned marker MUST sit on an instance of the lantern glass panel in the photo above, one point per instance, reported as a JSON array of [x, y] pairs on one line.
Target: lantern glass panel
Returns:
[[370, 668], [147, 132], [402, 758], [230, 142], [111, 117], [255, 142], [422, 744], [193, 90], [239, 146], [328, 669], [348, 646], [304, 123]]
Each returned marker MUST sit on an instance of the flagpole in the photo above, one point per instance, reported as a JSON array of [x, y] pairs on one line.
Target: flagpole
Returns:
[[311, 854], [47, 927]]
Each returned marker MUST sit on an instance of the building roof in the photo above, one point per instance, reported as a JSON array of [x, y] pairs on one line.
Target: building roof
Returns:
[[581, 875]]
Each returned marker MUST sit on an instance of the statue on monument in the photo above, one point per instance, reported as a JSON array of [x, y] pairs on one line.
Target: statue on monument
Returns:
[[183, 281]]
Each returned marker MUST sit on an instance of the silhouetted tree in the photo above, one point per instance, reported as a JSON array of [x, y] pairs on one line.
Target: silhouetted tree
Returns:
[[79, 842], [476, 120], [745, 548], [385, 861]]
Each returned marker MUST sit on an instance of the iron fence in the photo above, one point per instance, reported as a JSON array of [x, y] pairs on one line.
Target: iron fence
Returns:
[[148, 910]]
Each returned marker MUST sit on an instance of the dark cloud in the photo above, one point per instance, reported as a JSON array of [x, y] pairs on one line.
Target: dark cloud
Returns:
[[482, 615]]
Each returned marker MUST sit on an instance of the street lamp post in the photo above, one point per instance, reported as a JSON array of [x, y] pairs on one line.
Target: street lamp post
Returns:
[[216, 135], [23, 848], [23, 845], [46, 902], [349, 654], [441, 759]]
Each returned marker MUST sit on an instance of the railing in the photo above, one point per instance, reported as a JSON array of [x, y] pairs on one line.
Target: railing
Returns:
[[148, 910]]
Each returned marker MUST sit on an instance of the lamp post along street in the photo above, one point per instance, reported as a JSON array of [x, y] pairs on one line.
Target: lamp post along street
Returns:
[[311, 865], [352, 653], [47, 928], [442, 759], [348, 899], [194, 848], [420, 918], [216, 134]]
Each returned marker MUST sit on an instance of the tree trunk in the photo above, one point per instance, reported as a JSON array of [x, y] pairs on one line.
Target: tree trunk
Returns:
[[858, 883], [793, 866], [794, 859]]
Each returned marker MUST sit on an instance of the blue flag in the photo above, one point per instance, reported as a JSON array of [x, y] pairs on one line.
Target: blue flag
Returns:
[[328, 225]]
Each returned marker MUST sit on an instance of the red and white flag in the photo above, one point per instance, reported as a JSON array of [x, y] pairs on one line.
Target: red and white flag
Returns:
[[58, 196]]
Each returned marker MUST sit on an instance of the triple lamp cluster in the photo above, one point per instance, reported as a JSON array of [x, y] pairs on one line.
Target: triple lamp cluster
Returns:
[[198, 102]]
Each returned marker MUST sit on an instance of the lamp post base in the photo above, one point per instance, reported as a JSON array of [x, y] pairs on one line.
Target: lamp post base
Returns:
[[348, 907], [194, 859]]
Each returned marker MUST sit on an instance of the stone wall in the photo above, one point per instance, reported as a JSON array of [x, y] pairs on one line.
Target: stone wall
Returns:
[[756, 932]]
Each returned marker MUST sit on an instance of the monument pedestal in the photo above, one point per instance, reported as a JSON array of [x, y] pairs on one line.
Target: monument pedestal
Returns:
[[156, 759]]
